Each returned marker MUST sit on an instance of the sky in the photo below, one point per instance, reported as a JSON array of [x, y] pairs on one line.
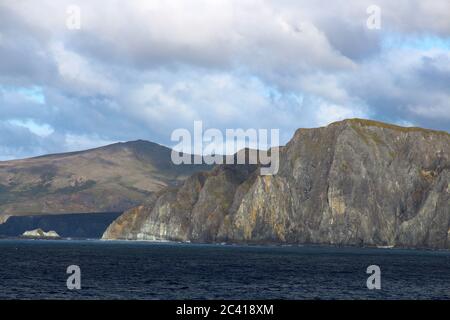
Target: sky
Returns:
[[80, 74]]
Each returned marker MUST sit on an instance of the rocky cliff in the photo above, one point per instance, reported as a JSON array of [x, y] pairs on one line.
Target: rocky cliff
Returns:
[[355, 182]]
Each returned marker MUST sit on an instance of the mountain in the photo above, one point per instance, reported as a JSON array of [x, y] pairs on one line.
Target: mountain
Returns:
[[354, 182], [107, 179]]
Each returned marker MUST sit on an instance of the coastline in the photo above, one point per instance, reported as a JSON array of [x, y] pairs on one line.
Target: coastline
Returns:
[[229, 245]]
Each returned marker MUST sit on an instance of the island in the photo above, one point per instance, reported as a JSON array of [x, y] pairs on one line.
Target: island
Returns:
[[40, 234]]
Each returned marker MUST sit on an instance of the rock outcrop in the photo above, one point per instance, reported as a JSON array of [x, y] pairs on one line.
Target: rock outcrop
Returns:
[[40, 234], [354, 182]]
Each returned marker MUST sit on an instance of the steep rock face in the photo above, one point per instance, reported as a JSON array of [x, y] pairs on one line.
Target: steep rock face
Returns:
[[355, 182], [196, 210]]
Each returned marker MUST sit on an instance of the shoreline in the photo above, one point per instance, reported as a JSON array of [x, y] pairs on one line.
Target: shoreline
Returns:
[[199, 244]]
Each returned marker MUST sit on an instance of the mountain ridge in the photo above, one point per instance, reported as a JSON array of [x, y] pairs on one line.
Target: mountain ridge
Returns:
[[115, 177], [353, 182]]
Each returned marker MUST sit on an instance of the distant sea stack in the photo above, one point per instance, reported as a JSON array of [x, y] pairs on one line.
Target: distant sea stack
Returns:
[[354, 182], [40, 234]]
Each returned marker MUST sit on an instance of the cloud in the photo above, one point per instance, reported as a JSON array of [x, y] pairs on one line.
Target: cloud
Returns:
[[18, 141], [144, 68], [406, 85]]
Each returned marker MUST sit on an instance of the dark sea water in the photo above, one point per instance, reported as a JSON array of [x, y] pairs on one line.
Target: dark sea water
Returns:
[[31, 269]]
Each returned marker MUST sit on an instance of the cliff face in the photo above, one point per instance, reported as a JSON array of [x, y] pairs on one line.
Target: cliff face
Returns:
[[355, 182]]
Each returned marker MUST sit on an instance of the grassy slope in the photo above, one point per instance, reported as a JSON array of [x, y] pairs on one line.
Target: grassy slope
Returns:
[[111, 178]]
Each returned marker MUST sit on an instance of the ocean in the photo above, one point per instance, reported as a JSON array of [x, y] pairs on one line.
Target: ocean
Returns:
[[36, 269]]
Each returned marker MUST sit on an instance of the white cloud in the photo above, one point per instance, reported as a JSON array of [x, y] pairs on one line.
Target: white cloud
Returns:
[[41, 130], [79, 75], [83, 142], [327, 113], [143, 68]]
